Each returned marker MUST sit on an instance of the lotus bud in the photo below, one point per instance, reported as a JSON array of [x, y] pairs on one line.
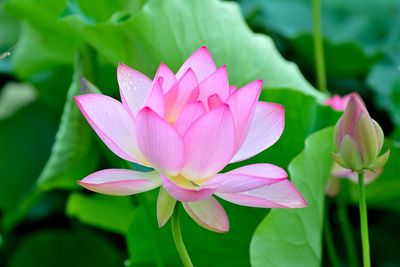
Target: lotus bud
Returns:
[[359, 138]]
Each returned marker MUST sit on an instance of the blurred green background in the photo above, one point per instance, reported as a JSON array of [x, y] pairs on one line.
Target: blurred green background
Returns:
[[46, 219]]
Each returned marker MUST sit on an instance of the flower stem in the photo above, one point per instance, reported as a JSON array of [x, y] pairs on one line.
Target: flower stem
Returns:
[[345, 224], [176, 233], [330, 246], [319, 47], [364, 220]]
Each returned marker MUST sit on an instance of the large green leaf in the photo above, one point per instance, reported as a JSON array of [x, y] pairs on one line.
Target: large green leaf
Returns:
[[25, 142], [107, 212], [43, 43], [79, 248], [74, 154], [9, 30], [292, 237], [166, 31]]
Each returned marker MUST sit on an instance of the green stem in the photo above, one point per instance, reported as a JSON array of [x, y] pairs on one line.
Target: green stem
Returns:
[[345, 224], [364, 220], [176, 233], [319, 47], [330, 246]]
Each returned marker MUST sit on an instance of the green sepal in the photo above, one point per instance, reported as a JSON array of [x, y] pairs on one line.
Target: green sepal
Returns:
[[380, 161]]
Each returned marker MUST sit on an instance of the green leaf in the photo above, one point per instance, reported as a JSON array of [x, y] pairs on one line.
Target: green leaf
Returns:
[[166, 31], [79, 248], [292, 237], [74, 153], [43, 43], [25, 141], [102, 11], [9, 30], [107, 212]]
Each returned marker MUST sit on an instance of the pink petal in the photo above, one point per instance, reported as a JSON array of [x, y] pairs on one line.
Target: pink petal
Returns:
[[155, 98], [209, 144], [133, 87], [208, 213], [249, 177], [185, 91], [265, 129], [339, 171], [278, 195], [200, 62], [243, 104], [337, 102], [168, 77], [121, 182], [370, 176], [112, 123], [216, 83], [232, 89], [165, 207], [159, 142], [188, 194], [188, 115], [214, 101]]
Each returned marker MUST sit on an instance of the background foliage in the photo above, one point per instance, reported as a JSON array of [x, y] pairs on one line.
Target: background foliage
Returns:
[[45, 144]]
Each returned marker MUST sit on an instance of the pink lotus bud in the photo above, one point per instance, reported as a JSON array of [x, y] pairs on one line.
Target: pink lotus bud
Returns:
[[359, 138]]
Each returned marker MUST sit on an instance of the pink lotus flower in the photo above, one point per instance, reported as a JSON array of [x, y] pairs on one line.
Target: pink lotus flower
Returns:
[[188, 126]]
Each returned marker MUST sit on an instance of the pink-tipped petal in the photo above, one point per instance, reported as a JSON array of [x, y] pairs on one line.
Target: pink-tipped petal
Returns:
[[208, 213], [278, 195], [184, 92], [337, 102], [200, 62], [209, 144], [121, 182], [265, 129], [112, 123], [188, 194], [249, 177], [214, 101], [133, 87], [339, 171], [159, 142], [243, 104], [232, 89], [188, 115], [155, 98], [168, 77], [216, 83], [165, 207]]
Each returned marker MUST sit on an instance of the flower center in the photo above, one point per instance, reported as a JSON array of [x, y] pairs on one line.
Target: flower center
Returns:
[[186, 183]]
